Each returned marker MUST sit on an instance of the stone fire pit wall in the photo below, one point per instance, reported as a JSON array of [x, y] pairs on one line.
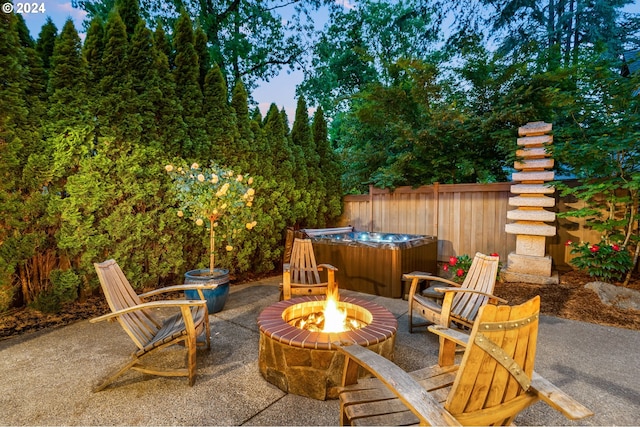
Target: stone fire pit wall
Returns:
[[303, 362]]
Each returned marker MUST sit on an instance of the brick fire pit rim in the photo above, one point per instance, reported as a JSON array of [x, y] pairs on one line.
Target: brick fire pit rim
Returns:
[[382, 327]]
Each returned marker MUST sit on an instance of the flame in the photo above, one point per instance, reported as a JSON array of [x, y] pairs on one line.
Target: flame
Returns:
[[334, 318]]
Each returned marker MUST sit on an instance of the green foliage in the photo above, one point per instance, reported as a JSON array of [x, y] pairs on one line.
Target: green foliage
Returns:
[[604, 261], [405, 134], [187, 74], [46, 42], [600, 146], [64, 288], [459, 267]]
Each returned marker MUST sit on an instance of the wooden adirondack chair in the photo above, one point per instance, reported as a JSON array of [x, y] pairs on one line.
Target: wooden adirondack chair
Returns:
[[493, 383], [460, 304], [148, 332], [301, 275]]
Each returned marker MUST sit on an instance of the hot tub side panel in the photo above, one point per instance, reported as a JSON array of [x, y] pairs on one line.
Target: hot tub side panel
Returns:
[[376, 271]]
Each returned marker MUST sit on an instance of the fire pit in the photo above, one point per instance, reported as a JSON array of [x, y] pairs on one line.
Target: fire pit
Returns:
[[304, 362]]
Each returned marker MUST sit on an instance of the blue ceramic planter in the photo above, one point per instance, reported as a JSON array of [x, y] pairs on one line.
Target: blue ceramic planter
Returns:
[[216, 298]]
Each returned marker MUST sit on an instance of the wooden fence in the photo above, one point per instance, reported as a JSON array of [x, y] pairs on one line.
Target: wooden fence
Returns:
[[466, 218]]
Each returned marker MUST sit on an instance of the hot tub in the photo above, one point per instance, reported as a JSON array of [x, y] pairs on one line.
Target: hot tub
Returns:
[[375, 262]]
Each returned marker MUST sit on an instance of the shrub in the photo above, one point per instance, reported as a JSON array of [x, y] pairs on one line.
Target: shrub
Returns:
[[459, 267], [604, 261]]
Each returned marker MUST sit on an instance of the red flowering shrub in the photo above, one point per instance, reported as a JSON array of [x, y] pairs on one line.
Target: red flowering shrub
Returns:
[[603, 261]]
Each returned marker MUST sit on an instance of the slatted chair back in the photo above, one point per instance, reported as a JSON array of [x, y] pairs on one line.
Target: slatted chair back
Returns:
[[497, 366], [303, 267], [480, 277], [140, 325]]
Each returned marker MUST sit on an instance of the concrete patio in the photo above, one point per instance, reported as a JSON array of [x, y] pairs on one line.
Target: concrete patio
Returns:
[[46, 377]]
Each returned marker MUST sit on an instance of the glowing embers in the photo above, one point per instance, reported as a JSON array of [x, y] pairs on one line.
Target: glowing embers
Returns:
[[332, 318]]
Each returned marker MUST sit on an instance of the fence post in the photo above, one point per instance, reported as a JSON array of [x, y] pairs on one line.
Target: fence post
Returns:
[[370, 207], [436, 208]]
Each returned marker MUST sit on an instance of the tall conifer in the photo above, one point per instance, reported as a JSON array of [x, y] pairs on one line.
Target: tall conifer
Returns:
[[46, 42], [204, 59], [163, 44], [221, 122], [118, 116], [171, 127], [331, 171], [10, 146], [67, 80], [187, 72], [129, 11], [92, 50]]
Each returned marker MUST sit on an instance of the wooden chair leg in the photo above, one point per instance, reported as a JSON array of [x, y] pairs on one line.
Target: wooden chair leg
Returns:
[[115, 374], [447, 352], [191, 360]]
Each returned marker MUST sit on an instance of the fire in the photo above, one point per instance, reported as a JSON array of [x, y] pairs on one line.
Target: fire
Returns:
[[334, 318], [331, 319]]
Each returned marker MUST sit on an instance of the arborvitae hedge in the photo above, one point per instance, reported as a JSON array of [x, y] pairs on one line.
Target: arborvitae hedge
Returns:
[[85, 133]]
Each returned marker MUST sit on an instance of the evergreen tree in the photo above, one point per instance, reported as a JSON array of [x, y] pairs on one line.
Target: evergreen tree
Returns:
[[187, 73], [221, 122], [204, 59], [129, 11], [171, 128], [46, 42], [240, 106], [163, 44], [117, 114], [145, 81], [67, 80], [305, 159], [10, 146], [330, 172], [280, 155], [92, 50], [35, 87]]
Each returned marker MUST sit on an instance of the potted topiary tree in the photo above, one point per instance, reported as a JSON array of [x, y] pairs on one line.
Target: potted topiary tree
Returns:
[[221, 200]]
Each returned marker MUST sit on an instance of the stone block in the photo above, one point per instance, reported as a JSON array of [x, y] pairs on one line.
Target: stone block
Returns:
[[534, 164], [532, 189], [535, 141], [531, 229], [535, 128], [510, 277], [530, 245], [533, 176], [533, 153], [307, 382], [537, 201], [531, 215], [527, 264], [296, 356], [321, 359]]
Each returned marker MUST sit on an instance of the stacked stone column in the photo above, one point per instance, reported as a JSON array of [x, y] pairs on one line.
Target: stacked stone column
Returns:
[[530, 263]]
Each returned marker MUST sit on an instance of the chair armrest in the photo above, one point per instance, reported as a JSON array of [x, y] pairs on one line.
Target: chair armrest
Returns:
[[175, 288], [428, 410], [148, 305], [454, 335], [473, 291], [327, 266], [558, 399], [442, 279]]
